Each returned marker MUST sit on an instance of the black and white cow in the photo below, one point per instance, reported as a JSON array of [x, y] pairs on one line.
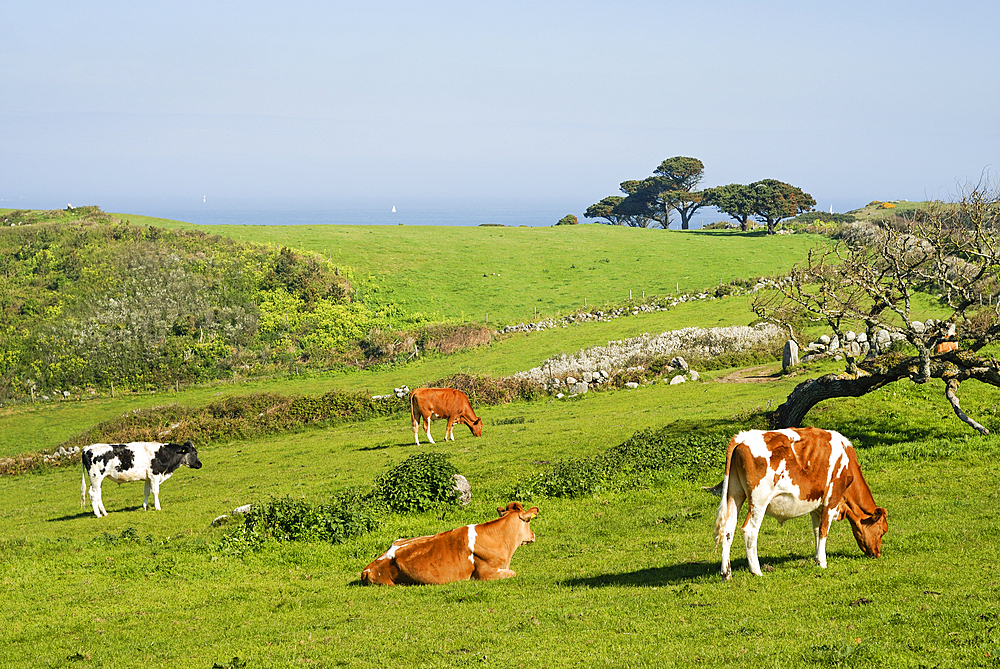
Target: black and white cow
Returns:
[[148, 461]]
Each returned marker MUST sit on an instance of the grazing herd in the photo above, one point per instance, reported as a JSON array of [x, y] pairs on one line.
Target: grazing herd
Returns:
[[780, 473]]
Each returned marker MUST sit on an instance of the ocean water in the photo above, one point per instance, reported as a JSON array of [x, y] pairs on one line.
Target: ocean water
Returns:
[[470, 214], [319, 212]]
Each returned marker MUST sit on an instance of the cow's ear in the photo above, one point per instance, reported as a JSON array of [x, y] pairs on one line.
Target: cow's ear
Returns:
[[529, 514], [189, 443]]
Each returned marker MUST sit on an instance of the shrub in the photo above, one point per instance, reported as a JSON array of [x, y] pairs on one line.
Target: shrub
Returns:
[[240, 417], [490, 391], [348, 514], [568, 219], [421, 482], [628, 465]]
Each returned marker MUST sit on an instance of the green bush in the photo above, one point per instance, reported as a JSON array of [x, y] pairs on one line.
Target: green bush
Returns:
[[628, 465], [348, 514], [419, 483]]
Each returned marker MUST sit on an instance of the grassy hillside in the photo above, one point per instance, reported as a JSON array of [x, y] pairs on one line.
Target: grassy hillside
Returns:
[[439, 271], [623, 577]]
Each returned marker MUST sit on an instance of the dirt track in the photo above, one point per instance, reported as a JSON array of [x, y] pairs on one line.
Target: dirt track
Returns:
[[761, 374]]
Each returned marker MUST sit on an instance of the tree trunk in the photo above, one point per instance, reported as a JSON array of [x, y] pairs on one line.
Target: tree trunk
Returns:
[[952, 367]]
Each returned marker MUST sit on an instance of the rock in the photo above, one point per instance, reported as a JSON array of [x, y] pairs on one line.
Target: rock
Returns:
[[65, 393], [695, 376], [834, 343], [918, 327], [588, 377], [243, 509], [680, 378], [852, 349], [824, 339], [790, 355], [463, 489], [631, 385], [220, 520], [679, 363], [570, 381], [579, 388], [559, 396], [862, 338], [882, 340], [850, 335]]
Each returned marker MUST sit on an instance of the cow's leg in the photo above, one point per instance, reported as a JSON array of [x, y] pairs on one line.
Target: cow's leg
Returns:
[[145, 499], [734, 500], [822, 520], [450, 430], [416, 429], [95, 499], [751, 528], [154, 484], [483, 571], [429, 437]]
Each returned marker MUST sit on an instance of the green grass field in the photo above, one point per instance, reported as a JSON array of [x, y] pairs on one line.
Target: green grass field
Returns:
[[618, 579], [459, 273]]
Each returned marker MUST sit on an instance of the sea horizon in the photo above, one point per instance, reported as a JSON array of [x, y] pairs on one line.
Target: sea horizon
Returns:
[[272, 212]]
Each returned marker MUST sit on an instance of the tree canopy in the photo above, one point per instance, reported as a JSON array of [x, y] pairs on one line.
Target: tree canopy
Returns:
[[734, 200], [775, 201], [606, 209], [671, 188]]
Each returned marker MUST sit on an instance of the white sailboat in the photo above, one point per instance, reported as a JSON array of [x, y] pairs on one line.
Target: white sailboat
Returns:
[[394, 209]]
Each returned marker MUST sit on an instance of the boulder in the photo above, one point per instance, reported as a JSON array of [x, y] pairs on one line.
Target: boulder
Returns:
[[680, 378], [631, 385], [579, 388], [695, 376], [790, 355], [463, 489], [679, 363]]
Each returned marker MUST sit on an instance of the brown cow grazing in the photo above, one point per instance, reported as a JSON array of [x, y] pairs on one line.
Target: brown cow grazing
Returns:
[[480, 552], [789, 473], [447, 403]]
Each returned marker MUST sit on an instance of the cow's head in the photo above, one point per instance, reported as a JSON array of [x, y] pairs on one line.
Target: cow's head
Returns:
[[189, 456], [523, 528], [477, 427], [868, 531]]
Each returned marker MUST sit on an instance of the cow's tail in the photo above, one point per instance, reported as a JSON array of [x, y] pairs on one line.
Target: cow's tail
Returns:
[[83, 485], [722, 517]]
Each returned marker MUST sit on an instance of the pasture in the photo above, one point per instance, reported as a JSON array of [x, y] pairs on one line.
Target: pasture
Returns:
[[523, 274], [621, 578]]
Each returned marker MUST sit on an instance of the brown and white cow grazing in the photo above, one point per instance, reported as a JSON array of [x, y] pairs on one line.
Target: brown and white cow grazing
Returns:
[[789, 473], [428, 403], [480, 552]]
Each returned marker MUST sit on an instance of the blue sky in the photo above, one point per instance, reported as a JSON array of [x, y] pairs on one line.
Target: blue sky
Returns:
[[120, 102]]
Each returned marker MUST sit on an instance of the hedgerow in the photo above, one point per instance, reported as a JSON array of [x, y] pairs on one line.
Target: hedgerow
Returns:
[[242, 417], [629, 465]]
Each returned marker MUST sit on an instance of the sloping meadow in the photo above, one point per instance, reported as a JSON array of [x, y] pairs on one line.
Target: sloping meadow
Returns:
[[623, 572]]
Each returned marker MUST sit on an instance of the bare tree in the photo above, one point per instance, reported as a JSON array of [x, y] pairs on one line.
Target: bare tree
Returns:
[[950, 251]]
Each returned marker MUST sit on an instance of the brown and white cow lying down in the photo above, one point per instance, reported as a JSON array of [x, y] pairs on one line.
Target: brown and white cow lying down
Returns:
[[480, 552], [789, 473], [447, 403], [148, 461]]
